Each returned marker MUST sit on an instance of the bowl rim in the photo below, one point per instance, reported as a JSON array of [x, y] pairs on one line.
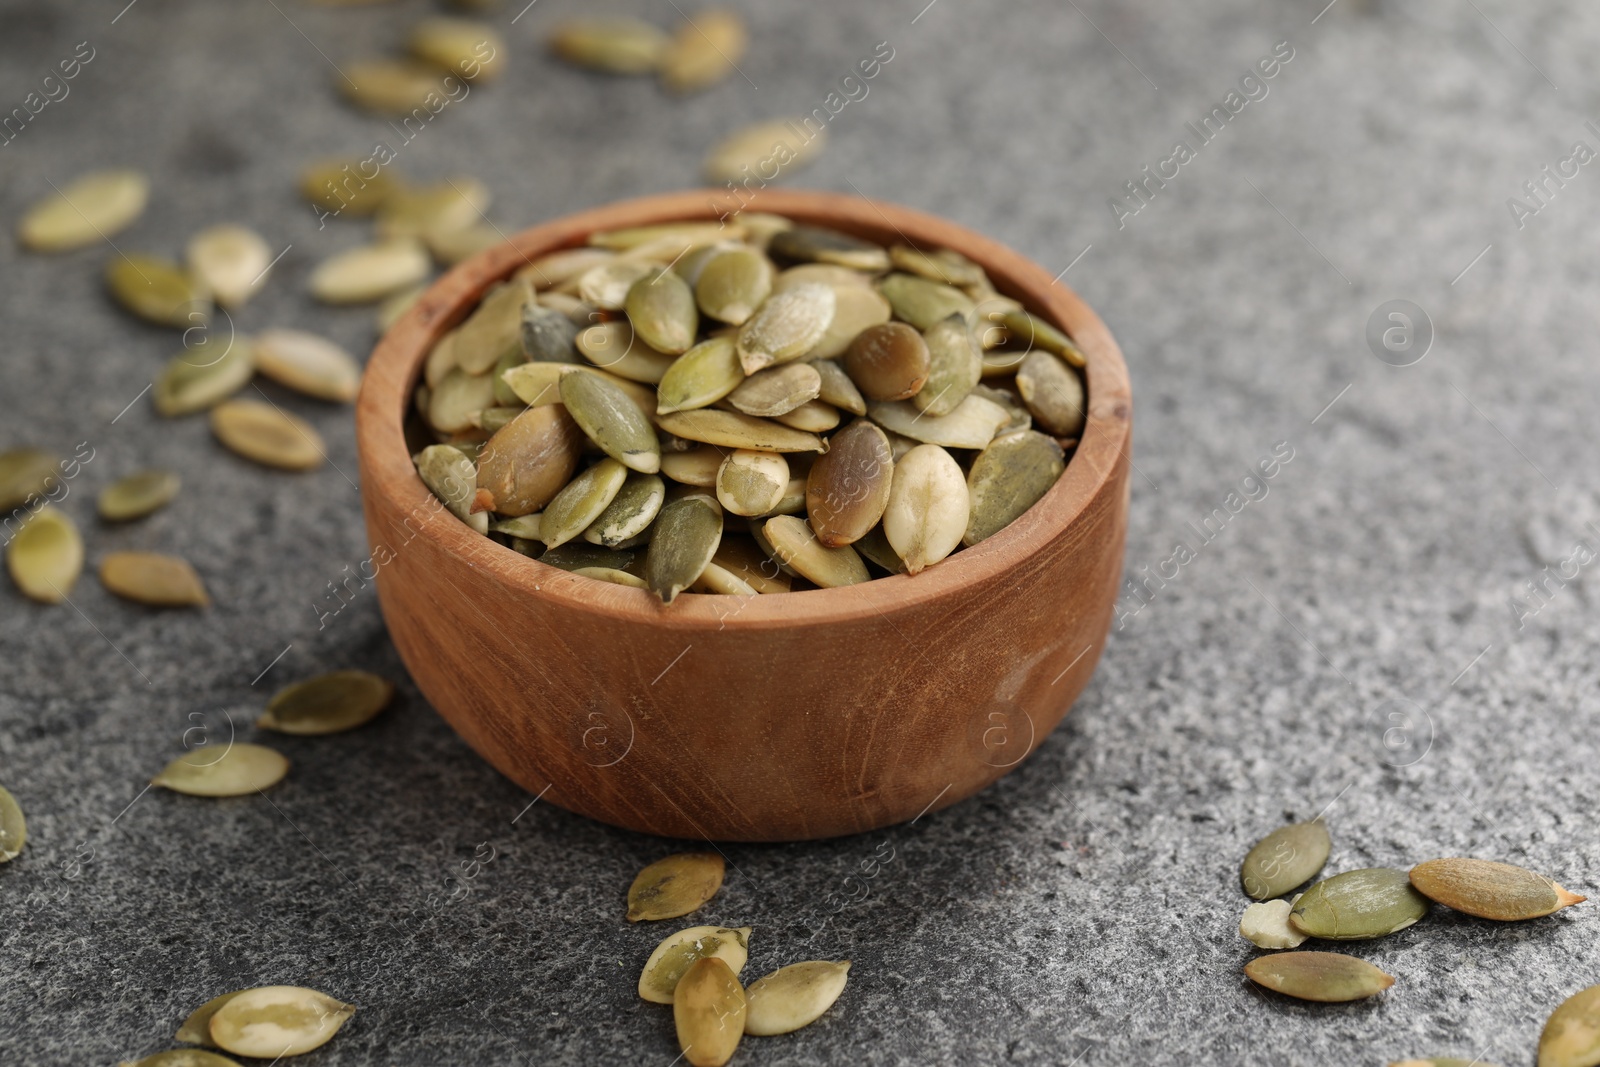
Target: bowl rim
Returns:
[[396, 364]]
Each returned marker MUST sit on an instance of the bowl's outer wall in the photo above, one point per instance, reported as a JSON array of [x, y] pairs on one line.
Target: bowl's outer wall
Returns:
[[771, 718]]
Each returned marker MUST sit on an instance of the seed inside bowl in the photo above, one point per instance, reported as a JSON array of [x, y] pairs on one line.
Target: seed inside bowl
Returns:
[[886, 398]]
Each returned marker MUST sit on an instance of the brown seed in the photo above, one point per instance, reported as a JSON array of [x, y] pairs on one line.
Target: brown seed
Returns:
[[675, 886], [149, 578], [777, 390], [848, 486], [1328, 977], [888, 362], [1053, 394], [744, 559], [706, 49], [955, 366], [1490, 890], [1571, 1036], [1009, 477], [708, 1009], [527, 462], [266, 435]]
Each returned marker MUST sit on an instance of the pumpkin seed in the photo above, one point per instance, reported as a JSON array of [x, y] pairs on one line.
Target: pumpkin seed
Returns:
[[1571, 1036], [613, 347], [1053, 394], [697, 467], [13, 827], [1328, 977], [137, 495], [183, 1057], [391, 86], [612, 420], [874, 547], [720, 580], [829, 274], [451, 477], [1266, 925], [441, 360], [24, 474], [794, 545], [575, 556], [1287, 857], [538, 384], [815, 244], [432, 211], [745, 561], [201, 377], [45, 556], [687, 532], [567, 264], [752, 483], [370, 273], [955, 366], [238, 769], [701, 376], [527, 462], [451, 247], [612, 45], [813, 417], [266, 435], [733, 283], [777, 390], [836, 389], [157, 291], [788, 325], [278, 1020], [888, 362], [456, 398], [630, 512], [581, 502], [761, 226], [91, 208], [308, 364], [1002, 362], [1028, 330], [972, 424], [1358, 905], [1490, 890], [153, 579], [548, 335], [612, 575], [848, 487], [928, 506], [708, 1010], [327, 704], [661, 309], [950, 268], [674, 955], [778, 143], [457, 46], [337, 185], [688, 233], [495, 329], [922, 302], [856, 308], [675, 886], [1009, 476], [522, 528], [706, 49], [231, 261], [733, 429], [196, 1029], [607, 285], [1020, 418], [794, 996]]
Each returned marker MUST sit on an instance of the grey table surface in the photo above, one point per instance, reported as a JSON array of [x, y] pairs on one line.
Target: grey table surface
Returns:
[[1359, 638]]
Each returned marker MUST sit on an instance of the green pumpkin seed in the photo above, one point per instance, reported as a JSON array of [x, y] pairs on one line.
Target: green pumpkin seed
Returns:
[[504, 395], [612, 575], [630, 512], [493, 420], [91, 208], [183, 1057], [230, 261], [575, 556], [856, 308], [1490, 890], [453, 479], [308, 364], [458, 46], [706, 49], [1020, 418], [153, 579], [697, 467], [339, 186], [238, 769], [1571, 1036], [527, 462], [45, 556], [441, 360], [612, 420], [495, 329], [1358, 905], [718, 579], [1009, 476], [794, 996], [1266, 925], [836, 388], [752, 483], [548, 336], [674, 955], [928, 507], [612, 346], [137, 495], [581, 502], [537, 384], [760, 227], [701, 376], [612, 45], [813, 417], [661, 309], [391, 86], [686, 536], [608, 284], [848, 487], [814, 244], [196, 1029], [708, 1011], [26, 473], [675, 886], [888, 362], [1327, 977], [777, 390], [432, 210], [277, 1021], [370, 273], [795, 546], [972, 424], [203, 376], [1027, 330], [456, 398], [950, 268], [874, 547], [955, 366], [733, 429], [923, 303], [733, 283], [1286, 858], [267, 435], [829, 274], [1053, 393], [327, 704], [522, 528], [13, 827], [157, 291], [746, 152], [787, 326]]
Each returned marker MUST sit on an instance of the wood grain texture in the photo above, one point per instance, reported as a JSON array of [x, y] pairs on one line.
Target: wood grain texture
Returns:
[[772, 718]]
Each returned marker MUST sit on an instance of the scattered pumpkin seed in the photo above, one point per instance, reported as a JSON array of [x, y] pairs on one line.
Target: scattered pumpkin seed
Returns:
[[1358, 905], [612, 420], [923, 303], [687, 532], [391, 86], [612, 346], [1571, 1036], [268, 436], [91, 208], [467, 49], [278, 1020], [157, 291], [787, 326], [733, 283], [196, 1029], [431, 211], [24, 474], [182, 1057], [370, 273], [780, 143], [1286, 858], [327, 704], [239, 769], [733, 429], [453, 479], [339, 186], [630, 512], [1011, 474], [13, 827], [706, 49], [701, 376], [708, 1010], [307, 364], [777, 390], [45, 556], [1266, 925], [955, 365], [752, 483], [794, 996], [548, 335], [1328, 977], [526, 463], [153, 579], [856, 308], [1490, 890], [612, 45], [972, 424], [231, 261], [674, 955], [661, 308], [816, 244], [888, 362], [137, 495], [848, 486], [203, 376], [675, 886], [1027, 330], [795, 546], [928, 506], [1053, 393]]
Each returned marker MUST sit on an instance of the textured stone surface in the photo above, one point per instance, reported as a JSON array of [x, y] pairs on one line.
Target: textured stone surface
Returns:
[[1083, 910]]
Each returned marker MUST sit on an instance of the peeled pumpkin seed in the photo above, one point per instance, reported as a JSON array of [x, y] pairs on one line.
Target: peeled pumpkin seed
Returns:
[[440, 361], [752, 483], [565, 265], [1358, 905], [950, 268], [661, 308], [391, 86], [612, 45], [153, 579], [687, 532], [453, 479], [612, 420], [787, 326], [430, 211], [928, 507], [743, 559], [778, 142], [836, 389], [690, 233], [955, 365], [1020, 418], [706, 49], [829, 274], [1010, 475], [581, 501], [157, 291], [370, 273], [1327, 977], [613, 346], [575, 556], [630, 512], [816, 244], [1027, 330], [339, 186], [1003, 362], [266, 435], [1266, 925], [733, 283], [972, 424], [231, 261], [327, 704], [494, 329], [1490, 890], [674, 955], [1571, 1036], [794, 996], [700, 377], [888, 362], [611, 575], [777, 390], [182, 1057], [1053, 393], [458, 46], [856, 308], [708, 1011], [45, 556], [457, 397], [237, 770], [794, 545], [761, 226], [25, 473], [549, 336], [13, 827], [527, 462], [522, 528], [848, 487], [813, 417], [137, 495], [91, 208], [720, 580], [732, 429], [697, 467], [608, 284], [276, 1021], [675, 886], [1286, 858], [203, 376], [308, 364], [923, 303]]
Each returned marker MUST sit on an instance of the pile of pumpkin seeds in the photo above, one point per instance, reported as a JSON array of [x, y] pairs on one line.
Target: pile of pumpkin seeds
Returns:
[[745, 407], [1374, 902]]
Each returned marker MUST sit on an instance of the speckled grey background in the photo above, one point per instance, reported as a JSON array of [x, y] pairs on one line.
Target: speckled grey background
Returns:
[[1351, 642]]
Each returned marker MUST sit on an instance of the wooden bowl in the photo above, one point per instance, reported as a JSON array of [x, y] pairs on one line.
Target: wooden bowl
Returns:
[[771, 718]]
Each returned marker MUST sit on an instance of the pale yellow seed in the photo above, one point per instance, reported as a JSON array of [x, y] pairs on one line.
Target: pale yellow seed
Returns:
[[688, 233], [928, 507], [676, 952], [700, 377], [718, 579], [205, 375], [972, 424], [697, 467], [267, 435], [45, 556], [612, 575], [227, 769], [471, 50], [393, 86], [779, 146], [276, 1021], [494, 330], [158, 291], [706, 49], [732, 429], [612, 346], [788, 325], [856, 308], [232, 261], [450, 206], [370, 273], [813, 417], [85, 211], [308, 364], [794, 996], [457, 397], [606, 286], [796, 546], [612, 45], [752, 483], [137, 495], [153, 579]]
